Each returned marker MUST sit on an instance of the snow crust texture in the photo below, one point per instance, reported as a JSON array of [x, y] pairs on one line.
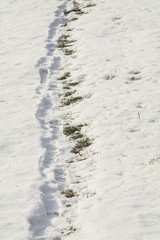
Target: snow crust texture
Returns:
[[80, 120]]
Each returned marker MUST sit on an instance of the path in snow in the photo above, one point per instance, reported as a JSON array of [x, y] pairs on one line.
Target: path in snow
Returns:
[[115, 64], [24, 26], [51, 172], [49, 218]]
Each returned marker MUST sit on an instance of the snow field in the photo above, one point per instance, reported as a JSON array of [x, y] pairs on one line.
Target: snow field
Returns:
[[108, 190], [24, 29], [117, 55]]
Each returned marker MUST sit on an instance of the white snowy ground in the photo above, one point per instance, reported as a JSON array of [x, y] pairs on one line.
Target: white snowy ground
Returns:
[[25, 27], [116, 63], [120, 39]]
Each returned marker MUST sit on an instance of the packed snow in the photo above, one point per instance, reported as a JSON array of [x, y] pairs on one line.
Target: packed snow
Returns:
[[79, 120]]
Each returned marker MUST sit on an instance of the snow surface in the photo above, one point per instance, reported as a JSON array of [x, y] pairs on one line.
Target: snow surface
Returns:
[[116, 64], [23, 34]]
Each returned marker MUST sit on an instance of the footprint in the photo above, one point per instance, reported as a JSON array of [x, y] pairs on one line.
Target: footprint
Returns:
[[43, 72]]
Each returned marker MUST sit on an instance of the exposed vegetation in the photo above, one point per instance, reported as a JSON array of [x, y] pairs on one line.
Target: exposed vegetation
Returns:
[[110, 76], [135, 72], [76, 10], [68, 52], [134, 78], [90, 5], [73, 19], [65, 76], [71, 100], [80, 145], [73, 83], [77, 136], [69, 93], [65, 42], [69, 193], [66, 87], [74, 131], [116, 19]]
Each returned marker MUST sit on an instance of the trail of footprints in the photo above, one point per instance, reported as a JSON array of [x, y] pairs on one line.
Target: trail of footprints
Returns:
[[50, 163]]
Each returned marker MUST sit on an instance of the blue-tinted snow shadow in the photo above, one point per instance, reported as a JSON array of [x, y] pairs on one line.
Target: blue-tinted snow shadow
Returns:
[[48, 208]]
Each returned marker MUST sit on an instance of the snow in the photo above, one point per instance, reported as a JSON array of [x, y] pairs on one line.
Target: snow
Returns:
[[24, 30], [115, 62], [123, 118]]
